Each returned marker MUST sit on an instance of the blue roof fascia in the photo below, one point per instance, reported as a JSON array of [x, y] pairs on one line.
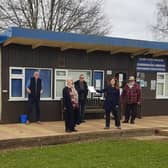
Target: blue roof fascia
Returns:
[[5, 35], [85, 39]]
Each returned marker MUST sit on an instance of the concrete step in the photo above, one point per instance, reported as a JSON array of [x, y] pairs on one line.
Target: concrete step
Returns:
[[74, 137], [162, 132]]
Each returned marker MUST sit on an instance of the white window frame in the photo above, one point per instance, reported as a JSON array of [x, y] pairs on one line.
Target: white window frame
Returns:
[[19, 76], [96, 97], [66, 77], [16, 76], [163, 81]]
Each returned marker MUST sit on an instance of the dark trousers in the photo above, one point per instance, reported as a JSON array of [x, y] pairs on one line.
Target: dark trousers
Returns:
[[31, 104], [115, 112], [82, 110], [69, 120], [131, 111]]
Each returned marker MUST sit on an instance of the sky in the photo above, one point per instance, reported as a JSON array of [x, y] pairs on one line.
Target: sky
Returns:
[[131, 18]]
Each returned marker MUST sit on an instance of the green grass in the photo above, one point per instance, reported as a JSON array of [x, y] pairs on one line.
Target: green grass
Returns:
[[101, 154]]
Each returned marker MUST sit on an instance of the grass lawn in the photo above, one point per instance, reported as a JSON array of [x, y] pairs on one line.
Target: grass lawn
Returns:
[[101, 154]]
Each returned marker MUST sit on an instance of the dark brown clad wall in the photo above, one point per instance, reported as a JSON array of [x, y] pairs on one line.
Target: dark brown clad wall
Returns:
[[45, 57]]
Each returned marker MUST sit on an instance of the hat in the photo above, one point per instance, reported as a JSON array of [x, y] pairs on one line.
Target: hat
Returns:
[[131, 78]]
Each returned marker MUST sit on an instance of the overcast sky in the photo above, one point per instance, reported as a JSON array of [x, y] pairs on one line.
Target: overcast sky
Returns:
[[131, 18]]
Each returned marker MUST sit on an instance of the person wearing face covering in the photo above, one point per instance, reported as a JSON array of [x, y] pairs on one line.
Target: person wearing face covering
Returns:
[[71, 105], [132, 96], [111, 104]]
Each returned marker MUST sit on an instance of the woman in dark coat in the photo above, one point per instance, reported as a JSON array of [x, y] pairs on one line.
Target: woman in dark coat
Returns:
[[70, 101], [111, 104]]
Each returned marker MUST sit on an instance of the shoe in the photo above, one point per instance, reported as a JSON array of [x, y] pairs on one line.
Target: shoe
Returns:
[[83, 121], [118, 127], [27, 122], [132, 122], [125, 121], [74, 130], [38, 122], [68, 131], [106, 127]]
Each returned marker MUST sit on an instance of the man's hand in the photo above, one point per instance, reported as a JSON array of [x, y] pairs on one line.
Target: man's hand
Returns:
[[41, 91], [28, 91], [139, 103]]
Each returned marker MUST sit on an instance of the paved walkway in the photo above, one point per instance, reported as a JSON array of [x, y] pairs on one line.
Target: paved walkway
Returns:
[[15, 131]]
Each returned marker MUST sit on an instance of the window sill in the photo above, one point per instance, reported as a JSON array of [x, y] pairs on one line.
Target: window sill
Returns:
[[23, 99], [161, 98]]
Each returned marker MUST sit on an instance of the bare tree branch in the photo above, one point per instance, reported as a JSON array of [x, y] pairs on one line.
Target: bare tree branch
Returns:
[[160, 29], [81, 16]]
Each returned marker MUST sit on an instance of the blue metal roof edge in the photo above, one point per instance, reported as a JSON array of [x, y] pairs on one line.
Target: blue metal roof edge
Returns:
[[80, 38], [5, 35]]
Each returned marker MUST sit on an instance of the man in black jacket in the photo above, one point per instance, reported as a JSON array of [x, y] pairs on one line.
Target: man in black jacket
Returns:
[[34, 90], [82, 89]]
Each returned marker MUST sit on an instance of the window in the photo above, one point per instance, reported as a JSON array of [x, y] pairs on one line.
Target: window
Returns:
[[98, 82], [16, 83], [61, 76], [19, 78], [60, 82], [162, 86]]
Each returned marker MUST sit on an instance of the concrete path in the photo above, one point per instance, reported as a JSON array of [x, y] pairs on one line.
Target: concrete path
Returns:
[[33, 130]]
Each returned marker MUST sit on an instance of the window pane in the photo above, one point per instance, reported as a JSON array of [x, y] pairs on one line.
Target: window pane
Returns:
[[160, 89], [16, 86], [166, 85], [98, 81], [28, 75], [75, 75], [45, 75], [60, 84], [60, 73], [16, 71], [160, 76]]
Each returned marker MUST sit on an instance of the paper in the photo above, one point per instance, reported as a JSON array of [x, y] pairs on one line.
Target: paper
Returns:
[[98, 84], [153, 84], [92, 89], [109, 72], [120, 77]]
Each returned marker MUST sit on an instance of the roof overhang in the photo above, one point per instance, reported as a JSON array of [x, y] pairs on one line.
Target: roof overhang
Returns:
[[90, 43]]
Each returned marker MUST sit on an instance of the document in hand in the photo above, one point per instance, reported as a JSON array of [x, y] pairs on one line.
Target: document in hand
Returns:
[[92, 89]]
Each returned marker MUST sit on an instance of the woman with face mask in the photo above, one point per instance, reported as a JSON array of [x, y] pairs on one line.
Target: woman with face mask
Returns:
[[70, 101], [111, 104]]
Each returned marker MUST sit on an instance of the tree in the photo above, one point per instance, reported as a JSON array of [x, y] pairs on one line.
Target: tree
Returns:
[[80, 16], [161, 28]]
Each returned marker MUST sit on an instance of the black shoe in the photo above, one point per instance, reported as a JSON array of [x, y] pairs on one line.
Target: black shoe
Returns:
[[118, 127], [132, 122], [74, 130], [106, 127], [83, 121], [125, 121], [68, 131]]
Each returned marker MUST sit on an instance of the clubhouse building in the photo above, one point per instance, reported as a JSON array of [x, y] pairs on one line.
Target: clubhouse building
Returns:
[[58, 55]]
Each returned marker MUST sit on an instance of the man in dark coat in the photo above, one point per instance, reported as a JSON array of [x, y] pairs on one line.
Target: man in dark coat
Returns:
[[82, 89], [34, 90]]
